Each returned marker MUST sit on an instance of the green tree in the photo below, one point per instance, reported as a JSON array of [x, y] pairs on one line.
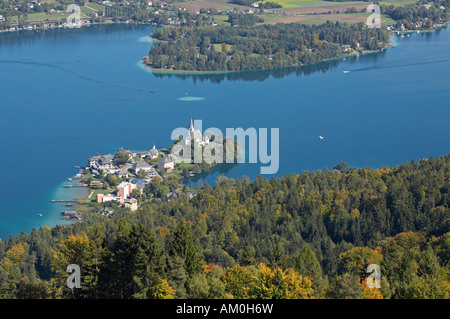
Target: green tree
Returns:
[[186, 245]]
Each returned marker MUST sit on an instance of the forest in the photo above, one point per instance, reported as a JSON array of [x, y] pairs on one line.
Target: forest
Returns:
[[300, 236], [225, 48]]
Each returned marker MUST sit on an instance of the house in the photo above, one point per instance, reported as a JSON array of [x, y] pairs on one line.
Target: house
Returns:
[[139, 182], [191, 195], [132, 204], [152, 172], [123, 172], [106, 212], [95, 184], [141, 165], [124, 190], [102, 198], [104, 162], [142, 154], [130, 153], [166, 164], [173, 194]]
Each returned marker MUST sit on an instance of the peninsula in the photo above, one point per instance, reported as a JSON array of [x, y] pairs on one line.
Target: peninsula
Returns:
[[259, 47], [128, 178]]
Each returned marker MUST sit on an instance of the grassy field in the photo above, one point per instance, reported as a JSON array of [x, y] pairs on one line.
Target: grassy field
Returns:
[[42, 16], [398, 2], [384, 18], [309, 3]]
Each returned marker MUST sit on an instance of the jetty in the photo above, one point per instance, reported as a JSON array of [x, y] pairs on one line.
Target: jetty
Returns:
[[63, 201], [70, 186]]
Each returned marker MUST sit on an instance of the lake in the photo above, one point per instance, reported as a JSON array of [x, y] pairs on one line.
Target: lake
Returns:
[[69, 94]]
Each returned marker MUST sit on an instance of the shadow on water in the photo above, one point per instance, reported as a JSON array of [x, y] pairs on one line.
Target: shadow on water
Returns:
[[199, 180], [259, 75]]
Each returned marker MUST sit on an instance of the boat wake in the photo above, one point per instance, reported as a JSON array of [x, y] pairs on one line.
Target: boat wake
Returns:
[[77, 75]]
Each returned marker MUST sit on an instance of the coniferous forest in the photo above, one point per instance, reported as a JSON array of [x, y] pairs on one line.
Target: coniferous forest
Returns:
[[308, 235]]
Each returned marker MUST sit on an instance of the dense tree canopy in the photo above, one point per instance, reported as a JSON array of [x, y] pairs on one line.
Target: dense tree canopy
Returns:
[[225, 48], [299, 236]]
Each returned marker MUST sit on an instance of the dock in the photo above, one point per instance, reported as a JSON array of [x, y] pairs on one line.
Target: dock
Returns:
[[70, 186], [63, 201]]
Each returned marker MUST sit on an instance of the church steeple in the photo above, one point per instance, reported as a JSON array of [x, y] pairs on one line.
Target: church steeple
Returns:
[[191, 127]]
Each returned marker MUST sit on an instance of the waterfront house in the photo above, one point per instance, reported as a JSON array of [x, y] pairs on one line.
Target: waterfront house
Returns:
[[102, 198], [142, 154], [104, 162], [95, 184]]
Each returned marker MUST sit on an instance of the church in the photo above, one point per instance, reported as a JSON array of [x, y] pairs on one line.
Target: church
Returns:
[[195, 136]]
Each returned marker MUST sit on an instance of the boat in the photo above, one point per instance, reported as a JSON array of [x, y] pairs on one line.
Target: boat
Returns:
[[346, 72], [40, 215], [320, 137]]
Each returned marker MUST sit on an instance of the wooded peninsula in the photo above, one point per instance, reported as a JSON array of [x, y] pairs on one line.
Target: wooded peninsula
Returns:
[[259, 47]]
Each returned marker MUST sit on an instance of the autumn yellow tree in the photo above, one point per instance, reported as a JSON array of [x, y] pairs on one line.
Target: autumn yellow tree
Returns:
[[78, 250]]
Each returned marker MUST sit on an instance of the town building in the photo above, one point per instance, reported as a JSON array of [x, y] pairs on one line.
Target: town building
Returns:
[[132, 204], [166, 164], [104, 162], [139, 182], [125, 189], [103, 198], [141, 165]]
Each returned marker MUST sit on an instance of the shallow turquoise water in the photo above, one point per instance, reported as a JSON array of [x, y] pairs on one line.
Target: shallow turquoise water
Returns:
[[69, 94]]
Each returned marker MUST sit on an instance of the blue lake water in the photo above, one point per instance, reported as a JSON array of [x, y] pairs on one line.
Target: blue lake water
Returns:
[[66, 95]]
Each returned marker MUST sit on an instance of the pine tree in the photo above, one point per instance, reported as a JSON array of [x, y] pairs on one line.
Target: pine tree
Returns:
[[186, 245]]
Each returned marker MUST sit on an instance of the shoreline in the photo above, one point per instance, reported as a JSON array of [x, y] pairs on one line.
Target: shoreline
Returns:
[[81, 26], [194, 72]]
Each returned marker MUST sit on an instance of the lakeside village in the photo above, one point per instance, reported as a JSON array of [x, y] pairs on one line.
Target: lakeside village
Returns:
[[128, 178], [37, 14]]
